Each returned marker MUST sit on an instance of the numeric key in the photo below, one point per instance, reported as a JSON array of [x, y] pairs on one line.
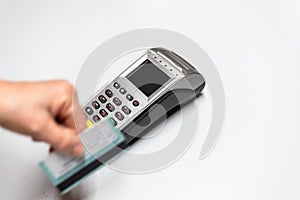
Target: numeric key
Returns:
[[95, 104], [103, 113], [126, 110], [119, 116], [89, 111], [117, 101], [109, 93], [110, 107], [102, 99]]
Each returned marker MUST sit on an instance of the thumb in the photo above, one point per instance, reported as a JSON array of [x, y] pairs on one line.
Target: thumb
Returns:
[[62, 139]]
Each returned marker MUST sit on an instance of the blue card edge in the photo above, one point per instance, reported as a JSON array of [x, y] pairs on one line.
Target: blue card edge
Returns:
[[90, 173]]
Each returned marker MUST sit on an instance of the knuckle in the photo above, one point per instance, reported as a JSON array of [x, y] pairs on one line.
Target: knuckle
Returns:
[[65, 92], [67, 87], [36, 130], [64, 87]]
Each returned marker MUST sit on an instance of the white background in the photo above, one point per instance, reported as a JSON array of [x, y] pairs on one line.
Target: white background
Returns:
[[255, 46]]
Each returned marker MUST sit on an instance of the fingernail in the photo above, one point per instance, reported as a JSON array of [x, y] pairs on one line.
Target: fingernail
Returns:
[[77, 150]]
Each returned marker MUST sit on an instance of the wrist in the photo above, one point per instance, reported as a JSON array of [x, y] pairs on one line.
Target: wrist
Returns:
[[5, 88]]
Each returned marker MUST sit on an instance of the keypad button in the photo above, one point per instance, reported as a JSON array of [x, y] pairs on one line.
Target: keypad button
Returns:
[[122, 91], [89, 111], [96, 118], [129, 97], [135, 103], [109, 93], [110, 107], [119, 116], [102, 99], [103, 113], [89, 123], [116, 85], [117, 101], [95, 104], [126, 110], [114, 121]]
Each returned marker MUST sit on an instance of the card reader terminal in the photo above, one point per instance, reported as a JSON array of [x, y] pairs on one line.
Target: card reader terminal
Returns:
[[133, 100]]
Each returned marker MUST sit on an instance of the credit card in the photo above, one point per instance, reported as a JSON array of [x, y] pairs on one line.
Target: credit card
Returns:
[[97, 140]]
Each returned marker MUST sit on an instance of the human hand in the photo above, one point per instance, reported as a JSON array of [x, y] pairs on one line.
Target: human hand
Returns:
[[46, 111]]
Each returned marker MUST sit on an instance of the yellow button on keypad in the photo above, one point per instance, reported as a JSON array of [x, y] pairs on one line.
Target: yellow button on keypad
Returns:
[[89, 123]]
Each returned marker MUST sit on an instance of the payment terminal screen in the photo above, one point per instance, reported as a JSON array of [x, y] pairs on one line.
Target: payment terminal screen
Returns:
[[147, 77]]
